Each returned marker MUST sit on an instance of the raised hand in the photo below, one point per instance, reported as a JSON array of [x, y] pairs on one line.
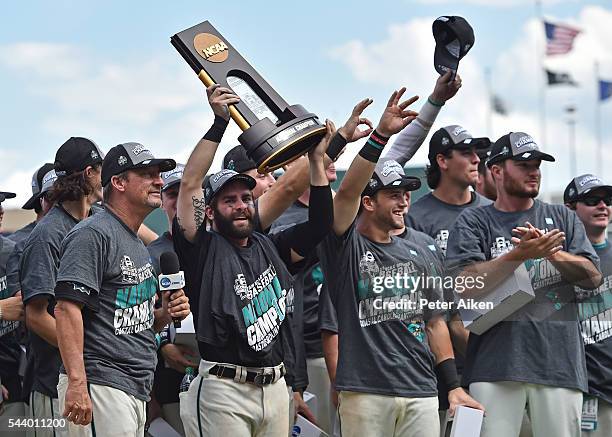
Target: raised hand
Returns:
[[395, 116], [350, 131], [219, 97], [446, 88], [317, 152]]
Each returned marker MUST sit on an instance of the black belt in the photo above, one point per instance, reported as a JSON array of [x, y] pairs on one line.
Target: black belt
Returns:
[[262, 377]]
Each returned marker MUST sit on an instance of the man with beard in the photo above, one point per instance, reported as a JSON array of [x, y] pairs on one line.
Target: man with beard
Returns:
[[385, 372], [106, 291], [537, 358], [238, 286], [78, 164], [592, 201]]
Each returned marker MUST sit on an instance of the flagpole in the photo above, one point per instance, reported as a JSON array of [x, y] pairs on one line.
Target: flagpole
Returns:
[[598, 123], [540, 63]]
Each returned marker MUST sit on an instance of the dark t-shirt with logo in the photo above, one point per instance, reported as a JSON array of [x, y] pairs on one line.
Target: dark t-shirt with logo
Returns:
[[238, 296], [38, 269], [10, 351], [328, 319], [595, 313], [542, 345], [110, 272], [435, 217], [382, 350]]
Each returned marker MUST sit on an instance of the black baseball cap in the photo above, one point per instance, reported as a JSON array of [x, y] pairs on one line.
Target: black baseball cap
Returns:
[[454, 137], [454, 38], [173, 177], [388, 173], [37, 183], [581, 186], [6, 195], [238, 160], [518, 146], [75, 155], [129, 156], [217, 181]]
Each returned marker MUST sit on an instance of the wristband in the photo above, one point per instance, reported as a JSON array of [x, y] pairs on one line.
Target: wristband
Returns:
[[435, 103], [337, 143], [216, 131], [373, 148], [447, 370]]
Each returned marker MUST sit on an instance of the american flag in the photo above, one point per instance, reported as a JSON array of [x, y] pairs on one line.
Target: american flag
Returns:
[[559, 38]]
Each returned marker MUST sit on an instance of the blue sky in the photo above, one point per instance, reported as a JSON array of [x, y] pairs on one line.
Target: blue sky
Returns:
[[107, 71]]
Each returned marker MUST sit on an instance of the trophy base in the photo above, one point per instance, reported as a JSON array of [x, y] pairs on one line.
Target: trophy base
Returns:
[[281, 145]]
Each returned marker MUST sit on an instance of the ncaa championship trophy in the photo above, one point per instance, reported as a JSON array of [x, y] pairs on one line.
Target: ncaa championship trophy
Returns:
[[274, 133]]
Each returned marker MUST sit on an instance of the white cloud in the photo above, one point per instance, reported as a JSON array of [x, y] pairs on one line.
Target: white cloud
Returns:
[[405, 56]]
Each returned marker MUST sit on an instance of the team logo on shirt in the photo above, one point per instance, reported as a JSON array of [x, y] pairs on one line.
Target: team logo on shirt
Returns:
[[442, 240], [375, 306], [263, 312], [501, 246], [241, 288], [128, 270], [134, 303], [5, 325], [368, 264], [595, 312]]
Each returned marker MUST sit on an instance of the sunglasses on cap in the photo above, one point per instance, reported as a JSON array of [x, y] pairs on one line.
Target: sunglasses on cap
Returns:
[[594, 200]]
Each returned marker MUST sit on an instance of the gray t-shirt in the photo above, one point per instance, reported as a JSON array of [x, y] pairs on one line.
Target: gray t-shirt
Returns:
[[381, 350], [22, 233], [595, 314], [109, 271], [38, 268], [542, 345], [10, 350], [328, 320], [435, 218]]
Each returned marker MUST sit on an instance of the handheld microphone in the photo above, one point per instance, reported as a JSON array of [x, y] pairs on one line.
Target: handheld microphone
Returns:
[[172, 278]]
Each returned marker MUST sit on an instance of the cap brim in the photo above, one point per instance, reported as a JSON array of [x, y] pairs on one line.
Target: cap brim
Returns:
[[442, 58], [409, 183], [480, 143], [171, 184], [163, 164], [240, 177], [535, 154], [7, 195], [608, 188], [31, 203]]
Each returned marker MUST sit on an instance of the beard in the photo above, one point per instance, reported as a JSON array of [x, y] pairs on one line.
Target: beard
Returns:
[[226, 226], [516, 189]]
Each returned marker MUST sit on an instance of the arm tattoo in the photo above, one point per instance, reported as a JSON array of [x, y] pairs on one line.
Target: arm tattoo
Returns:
[[198, 210]]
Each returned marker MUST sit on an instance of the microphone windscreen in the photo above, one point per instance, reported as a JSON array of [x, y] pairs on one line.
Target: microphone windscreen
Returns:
[[169, 263]]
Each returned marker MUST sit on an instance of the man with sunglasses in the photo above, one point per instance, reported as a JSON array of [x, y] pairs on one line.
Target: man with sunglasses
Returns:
[[592, 200], [536, 358]]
